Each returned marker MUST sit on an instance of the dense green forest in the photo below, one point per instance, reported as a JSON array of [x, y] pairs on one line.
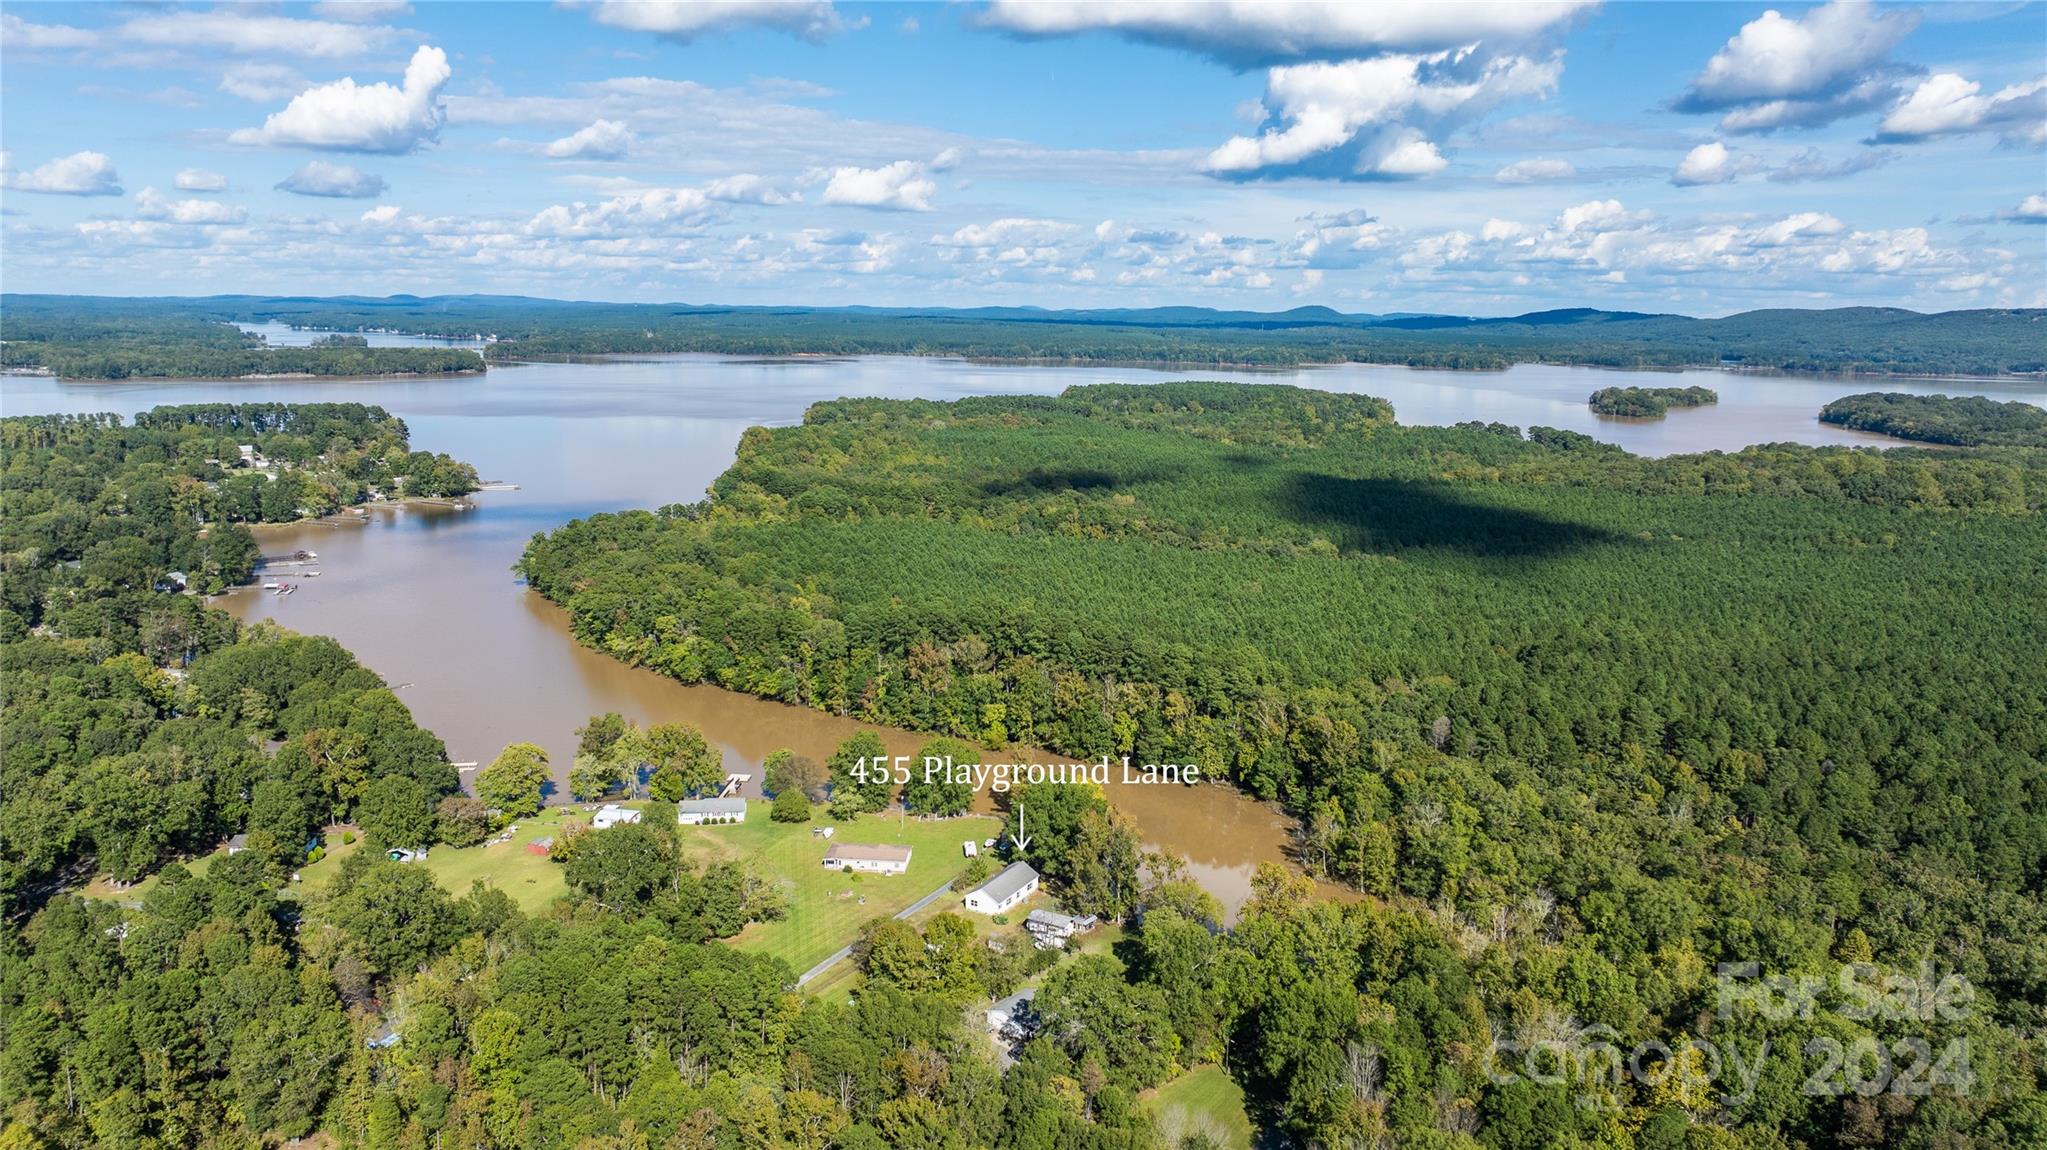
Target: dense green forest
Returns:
[[1649, 402], [88, 503], [145, 341], [1782, 706], [1962, 420], [1846, 340]]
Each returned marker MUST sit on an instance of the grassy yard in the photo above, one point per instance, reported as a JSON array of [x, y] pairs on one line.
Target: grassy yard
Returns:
[[1203, 1101], [530, 879], [827, 908]]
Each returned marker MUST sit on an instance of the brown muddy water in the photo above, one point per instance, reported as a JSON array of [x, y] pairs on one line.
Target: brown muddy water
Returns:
[[426, 596]]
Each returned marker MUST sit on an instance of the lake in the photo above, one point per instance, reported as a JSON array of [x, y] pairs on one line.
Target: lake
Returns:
[[426, 596]]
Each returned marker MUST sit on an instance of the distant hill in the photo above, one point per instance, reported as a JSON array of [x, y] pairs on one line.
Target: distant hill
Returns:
[[1859, 340]]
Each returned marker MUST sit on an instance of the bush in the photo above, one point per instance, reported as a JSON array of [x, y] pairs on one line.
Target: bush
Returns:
[[348, 836]]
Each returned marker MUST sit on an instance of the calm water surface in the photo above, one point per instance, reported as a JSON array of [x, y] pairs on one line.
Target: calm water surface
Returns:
[[427, 598]]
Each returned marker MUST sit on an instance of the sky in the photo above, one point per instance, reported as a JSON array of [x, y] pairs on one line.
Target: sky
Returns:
[[1469, 158]]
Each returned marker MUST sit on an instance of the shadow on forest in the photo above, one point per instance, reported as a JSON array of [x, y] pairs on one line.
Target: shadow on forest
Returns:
[[1395, 515], [1040, 480]]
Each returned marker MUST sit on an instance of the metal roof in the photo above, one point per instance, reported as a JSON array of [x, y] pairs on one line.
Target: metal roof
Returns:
[[1012, 879]]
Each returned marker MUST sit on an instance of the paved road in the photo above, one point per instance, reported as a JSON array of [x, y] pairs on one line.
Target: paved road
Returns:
[[844, 952]]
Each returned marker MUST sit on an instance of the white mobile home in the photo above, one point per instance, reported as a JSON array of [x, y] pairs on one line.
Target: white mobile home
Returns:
[[874, 858], [697, 812]]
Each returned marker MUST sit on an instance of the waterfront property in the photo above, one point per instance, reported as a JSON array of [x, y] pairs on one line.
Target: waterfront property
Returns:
[[1013, 884], [874, 858], [611, 815], [1051, 930], [701, 812]]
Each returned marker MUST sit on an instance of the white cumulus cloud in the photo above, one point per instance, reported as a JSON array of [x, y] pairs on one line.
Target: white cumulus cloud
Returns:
[[1706, 164], [78, 174], [2031, 210], [1950, 105], [602, 140], [348, 117], [1365, 118], [901, 186], [339, 181], [1780, 72], [381, 214]]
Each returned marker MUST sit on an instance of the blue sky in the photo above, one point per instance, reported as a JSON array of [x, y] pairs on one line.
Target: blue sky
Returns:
[[1460, 157]]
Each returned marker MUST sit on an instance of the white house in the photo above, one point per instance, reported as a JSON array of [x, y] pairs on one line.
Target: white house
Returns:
[[874, 858], [611, 815], [1051, 930], [1009, 1018], [696, 812], [1015, 883]]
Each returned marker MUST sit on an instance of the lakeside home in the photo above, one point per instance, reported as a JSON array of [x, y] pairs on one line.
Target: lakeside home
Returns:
[[611, 815], [698, 812], [874, 858], [1013, 884], [1051, 930]]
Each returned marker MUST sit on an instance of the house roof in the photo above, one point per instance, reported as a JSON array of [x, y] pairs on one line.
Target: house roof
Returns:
[[867, 852], [1051, 918], [1007, 882], [712, 806], [1009, 1005]]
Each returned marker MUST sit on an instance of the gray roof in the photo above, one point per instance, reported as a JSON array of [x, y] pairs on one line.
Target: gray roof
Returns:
[[1011, 879], [1009, 1005], [712, 806], [1051, 918]]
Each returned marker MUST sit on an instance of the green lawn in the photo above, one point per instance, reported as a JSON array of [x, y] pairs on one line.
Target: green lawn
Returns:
[[827, 908], [529, 878], [1204, 1101]]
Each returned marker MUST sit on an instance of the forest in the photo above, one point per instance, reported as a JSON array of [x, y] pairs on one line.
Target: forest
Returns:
[[140, 341], [1959, 421], [90, 502], [1649, 402], [1841, 340], [1602, 723]]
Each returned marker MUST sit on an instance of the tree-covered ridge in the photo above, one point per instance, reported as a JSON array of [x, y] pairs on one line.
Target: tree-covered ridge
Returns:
[[145, 342], [88, 502], [1649, 402], [1845, 340], [1684, 698], [1961, 420]]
